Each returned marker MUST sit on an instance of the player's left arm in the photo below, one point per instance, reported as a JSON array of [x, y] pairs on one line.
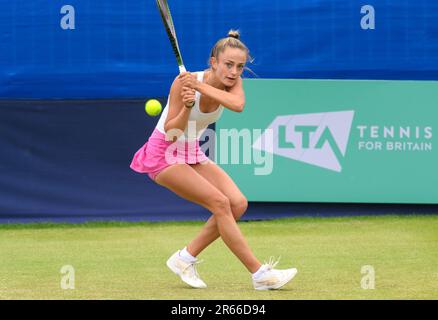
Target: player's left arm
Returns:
[[233, 98]]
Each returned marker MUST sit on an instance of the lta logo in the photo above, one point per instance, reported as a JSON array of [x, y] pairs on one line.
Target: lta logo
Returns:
[[318, 139]]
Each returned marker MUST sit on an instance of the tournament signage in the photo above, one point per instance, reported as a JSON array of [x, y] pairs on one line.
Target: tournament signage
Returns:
[[333, 141]]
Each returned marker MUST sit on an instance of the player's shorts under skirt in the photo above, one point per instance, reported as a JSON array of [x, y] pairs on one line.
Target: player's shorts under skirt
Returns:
[[157, 154]]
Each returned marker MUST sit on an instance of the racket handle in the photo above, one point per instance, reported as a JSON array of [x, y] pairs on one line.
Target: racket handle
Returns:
[[182, 69]]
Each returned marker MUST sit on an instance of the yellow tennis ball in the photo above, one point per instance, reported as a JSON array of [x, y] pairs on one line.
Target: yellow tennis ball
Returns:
[[153, 107]]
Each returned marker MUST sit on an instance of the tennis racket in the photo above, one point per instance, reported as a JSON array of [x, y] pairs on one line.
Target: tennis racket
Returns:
[[170, 29]]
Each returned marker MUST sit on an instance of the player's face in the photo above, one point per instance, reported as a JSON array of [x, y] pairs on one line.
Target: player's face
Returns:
[[229, 65]]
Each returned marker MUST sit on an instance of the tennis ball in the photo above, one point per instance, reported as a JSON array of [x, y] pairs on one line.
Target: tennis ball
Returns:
[[153, 107]]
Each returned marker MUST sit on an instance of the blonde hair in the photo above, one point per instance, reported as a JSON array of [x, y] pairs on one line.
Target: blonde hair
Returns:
[[231, 41]]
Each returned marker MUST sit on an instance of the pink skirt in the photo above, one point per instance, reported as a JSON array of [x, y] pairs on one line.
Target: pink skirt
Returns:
[[157, 154]]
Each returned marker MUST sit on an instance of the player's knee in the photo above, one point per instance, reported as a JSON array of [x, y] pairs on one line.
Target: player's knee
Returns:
[[239, 207], [220, 204]]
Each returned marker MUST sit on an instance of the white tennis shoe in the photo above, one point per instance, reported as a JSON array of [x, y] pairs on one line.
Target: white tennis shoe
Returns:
[[186, 271], [271, 278]]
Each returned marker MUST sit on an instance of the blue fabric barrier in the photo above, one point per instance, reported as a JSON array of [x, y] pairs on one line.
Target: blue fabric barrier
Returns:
[[119, 49]]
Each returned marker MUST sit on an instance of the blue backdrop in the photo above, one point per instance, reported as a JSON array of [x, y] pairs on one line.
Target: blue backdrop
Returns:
[[70, 159], [119, 49]]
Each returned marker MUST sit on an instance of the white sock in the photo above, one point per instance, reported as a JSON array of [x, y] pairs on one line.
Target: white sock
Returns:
[[186, 256], [258, 273]]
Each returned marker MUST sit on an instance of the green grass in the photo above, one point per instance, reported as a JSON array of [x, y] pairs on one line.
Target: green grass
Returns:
[[127, 260]]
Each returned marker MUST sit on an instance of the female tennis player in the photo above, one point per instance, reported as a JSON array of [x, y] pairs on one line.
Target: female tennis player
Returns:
[[200, 98]]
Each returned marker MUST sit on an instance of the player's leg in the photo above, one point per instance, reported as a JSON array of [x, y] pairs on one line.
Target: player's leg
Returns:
[[187, 183], [266, 277], [238, 203]]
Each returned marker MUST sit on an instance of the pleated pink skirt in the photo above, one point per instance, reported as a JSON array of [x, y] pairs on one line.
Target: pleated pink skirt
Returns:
[[157, 154]]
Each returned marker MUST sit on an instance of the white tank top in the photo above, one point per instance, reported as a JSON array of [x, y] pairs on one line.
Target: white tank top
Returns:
[[201, 119]]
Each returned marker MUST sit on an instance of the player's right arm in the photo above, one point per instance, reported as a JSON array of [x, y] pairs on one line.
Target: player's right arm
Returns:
[[178, 114]]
